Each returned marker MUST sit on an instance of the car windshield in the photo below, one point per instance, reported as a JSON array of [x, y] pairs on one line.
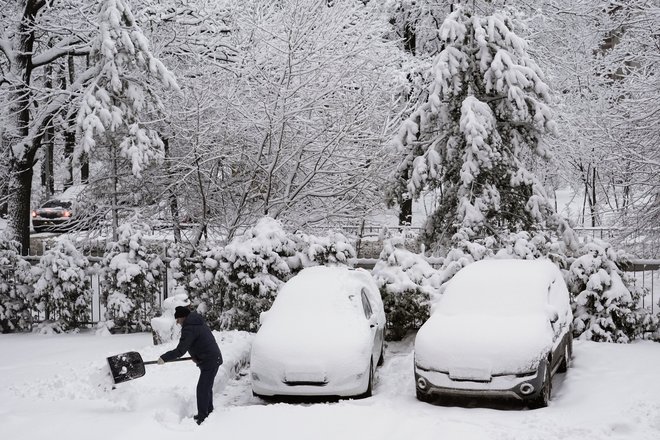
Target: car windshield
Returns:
[[56, 204], [498, 287]]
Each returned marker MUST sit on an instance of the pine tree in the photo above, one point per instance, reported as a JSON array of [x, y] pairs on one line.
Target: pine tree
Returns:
[[473, 137]]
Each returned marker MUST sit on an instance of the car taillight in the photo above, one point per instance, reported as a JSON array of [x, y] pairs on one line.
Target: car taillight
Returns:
[[34, 213], [67, 213]]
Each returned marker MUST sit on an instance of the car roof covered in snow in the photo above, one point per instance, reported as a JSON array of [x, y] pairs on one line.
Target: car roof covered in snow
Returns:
[[320, 286], [499, 286]]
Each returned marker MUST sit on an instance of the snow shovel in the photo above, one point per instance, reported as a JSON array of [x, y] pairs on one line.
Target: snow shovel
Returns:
[[128, 366]]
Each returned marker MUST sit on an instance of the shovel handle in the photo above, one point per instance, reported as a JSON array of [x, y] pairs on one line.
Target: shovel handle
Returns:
[[173, 360]]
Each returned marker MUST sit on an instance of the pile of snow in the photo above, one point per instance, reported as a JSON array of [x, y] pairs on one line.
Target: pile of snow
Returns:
[[611, 392]]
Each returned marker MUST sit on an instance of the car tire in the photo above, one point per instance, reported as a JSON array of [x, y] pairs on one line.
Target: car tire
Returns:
[[565, 363], [542, 400], [381, 358], [370, 384]]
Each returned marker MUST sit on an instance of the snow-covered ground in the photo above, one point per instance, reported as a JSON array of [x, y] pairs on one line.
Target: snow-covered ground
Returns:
[[53, 386]]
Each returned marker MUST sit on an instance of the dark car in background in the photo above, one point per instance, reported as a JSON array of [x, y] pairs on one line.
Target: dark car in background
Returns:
[[54, 215], [60, 213]]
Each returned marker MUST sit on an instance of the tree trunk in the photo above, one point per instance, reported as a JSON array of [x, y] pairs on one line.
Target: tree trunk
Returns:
[[174, 203], [47, 177], [405, 213], [20, 191], [69, 133], [23, 149]]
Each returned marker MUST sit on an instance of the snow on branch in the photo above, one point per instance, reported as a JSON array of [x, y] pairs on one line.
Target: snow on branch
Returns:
[[123, 92]]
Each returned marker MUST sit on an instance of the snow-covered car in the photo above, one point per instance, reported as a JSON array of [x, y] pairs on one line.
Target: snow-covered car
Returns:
[[501, 330], [323, 336]]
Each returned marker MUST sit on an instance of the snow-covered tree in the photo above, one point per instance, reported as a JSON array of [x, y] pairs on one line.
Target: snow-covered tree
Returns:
[[63, 289], [115, 92], [16, 292], [253, 266], [606, 303], [408, 284], [475, 136], [131, 279], [600, 58], [291, 124]]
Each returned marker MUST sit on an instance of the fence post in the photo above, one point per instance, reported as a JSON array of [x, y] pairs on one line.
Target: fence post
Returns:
[[165, 286]]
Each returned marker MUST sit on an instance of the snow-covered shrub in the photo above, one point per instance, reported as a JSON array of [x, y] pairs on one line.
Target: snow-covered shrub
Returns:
[[164, 327], [407, 283], [606, 306], [253, 266], [464, 253], [131, 276], [182, 265], [63, 289], [15, 288], [331, 249], [208, 288]]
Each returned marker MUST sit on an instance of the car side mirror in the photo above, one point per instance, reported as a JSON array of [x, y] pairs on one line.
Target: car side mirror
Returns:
[[373, 321], [553, 315]]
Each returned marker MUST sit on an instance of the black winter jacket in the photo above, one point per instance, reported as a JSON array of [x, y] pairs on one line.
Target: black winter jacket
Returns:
[[196, 339]]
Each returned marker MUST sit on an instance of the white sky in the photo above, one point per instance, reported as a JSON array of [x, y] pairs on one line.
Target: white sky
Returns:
[[49, 389]]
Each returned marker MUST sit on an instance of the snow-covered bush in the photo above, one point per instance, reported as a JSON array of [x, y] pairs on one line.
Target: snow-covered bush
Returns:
[[15, 288], [253, 266], [182, 265], [63, 289], [164, 327], [606, 304], [407, 283], [331, 249], [130, 279], [208, 289]]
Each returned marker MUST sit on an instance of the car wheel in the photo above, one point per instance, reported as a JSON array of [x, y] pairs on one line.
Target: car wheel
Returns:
[[566, 359], [542, 400], [370, 384]]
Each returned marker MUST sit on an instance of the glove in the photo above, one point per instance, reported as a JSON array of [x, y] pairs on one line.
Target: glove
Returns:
[[161, 361]]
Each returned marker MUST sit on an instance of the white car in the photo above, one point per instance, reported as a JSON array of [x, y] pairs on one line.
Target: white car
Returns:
[[501, 330], [323, 336]]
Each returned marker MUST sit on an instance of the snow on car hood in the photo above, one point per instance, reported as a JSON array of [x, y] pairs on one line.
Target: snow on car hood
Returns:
[[311, 343], [498, 344]]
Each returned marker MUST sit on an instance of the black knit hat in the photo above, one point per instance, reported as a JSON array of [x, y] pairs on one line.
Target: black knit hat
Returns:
[[181, 312]]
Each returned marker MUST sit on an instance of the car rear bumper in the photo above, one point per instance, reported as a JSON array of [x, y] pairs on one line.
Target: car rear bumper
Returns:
[[433, 384], [265, 384]]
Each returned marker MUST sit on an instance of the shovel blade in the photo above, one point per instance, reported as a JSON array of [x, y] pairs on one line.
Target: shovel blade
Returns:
[[126, 366]]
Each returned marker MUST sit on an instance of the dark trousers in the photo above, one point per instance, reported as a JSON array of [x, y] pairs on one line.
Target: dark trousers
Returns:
[[205, 388]]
